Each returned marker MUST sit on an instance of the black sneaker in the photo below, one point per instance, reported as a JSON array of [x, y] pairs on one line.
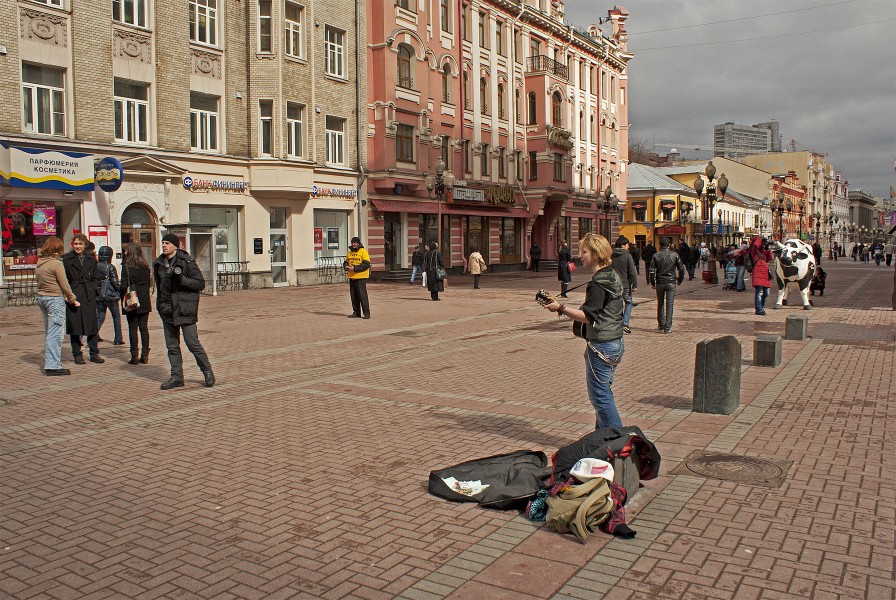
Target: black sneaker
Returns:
[[354, 316], [172, 383], [366, 316], [626, 329], [79, 360], [209, 378], [52, 372]]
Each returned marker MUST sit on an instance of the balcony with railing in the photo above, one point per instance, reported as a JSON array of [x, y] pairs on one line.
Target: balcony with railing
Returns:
[[542, 64]]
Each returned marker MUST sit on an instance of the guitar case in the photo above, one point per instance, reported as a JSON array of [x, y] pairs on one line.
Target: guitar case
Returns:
[[633, 456]]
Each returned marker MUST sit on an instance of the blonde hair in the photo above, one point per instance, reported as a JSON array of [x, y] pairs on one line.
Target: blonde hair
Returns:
[[599, 247]]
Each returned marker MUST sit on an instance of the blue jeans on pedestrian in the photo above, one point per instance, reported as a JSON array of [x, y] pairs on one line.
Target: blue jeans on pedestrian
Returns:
[[761, 295], [739, 281], [627, 311], [414, 270], [115, 309], [53, 309], [601, 360]]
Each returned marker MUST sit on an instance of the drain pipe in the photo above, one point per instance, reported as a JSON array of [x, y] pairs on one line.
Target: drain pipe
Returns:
[[362, 176]]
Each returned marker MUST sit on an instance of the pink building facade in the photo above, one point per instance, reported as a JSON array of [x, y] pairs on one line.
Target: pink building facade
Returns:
[[528, 113]]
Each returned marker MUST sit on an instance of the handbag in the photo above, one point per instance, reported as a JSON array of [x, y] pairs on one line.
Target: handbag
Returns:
[[108, 293], [441, 274], [131, 301], [571, 267]]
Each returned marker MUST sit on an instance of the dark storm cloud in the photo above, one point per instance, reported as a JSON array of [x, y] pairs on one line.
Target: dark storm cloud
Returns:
[[823, 69]]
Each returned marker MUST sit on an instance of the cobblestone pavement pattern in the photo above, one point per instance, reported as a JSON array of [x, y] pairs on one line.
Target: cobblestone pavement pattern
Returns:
[[302, 474]]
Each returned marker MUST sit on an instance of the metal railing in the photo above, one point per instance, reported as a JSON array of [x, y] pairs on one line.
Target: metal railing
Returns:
[[541, 63]]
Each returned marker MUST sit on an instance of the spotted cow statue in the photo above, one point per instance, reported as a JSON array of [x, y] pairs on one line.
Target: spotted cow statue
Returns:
[[795, 264]]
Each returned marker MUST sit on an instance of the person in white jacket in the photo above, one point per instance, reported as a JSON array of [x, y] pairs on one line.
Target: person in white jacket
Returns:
[[476, 266]]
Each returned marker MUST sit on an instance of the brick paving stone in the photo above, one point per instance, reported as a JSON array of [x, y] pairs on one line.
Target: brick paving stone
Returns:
[[302, 471]]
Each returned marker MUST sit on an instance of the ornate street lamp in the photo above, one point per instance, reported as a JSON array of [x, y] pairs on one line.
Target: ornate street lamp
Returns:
[[778, 209], [684, 217], [607, 202], [437, 186], [710, 275], [817, 225], [802, 205]]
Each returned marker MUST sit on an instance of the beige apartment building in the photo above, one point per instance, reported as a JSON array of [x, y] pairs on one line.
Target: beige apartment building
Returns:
[[235, 123]]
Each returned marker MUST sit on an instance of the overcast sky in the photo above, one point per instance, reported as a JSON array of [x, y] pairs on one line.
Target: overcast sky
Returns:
[[824, 69]]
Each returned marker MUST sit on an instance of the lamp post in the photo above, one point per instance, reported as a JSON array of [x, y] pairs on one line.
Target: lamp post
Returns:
[[684, 217], [437, 186], [817, 226], [710, 275], [607, 202], [778, 209], [801, 203]]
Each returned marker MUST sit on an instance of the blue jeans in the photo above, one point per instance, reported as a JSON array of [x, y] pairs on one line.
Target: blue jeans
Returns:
[[414, 270], [627, 312], [761, 295], [115, 309], [740, 285], [53, 309], [601, 360]]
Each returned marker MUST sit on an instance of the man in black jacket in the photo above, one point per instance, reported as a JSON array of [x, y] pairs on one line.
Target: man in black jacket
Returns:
[[647, 254], [662, 276], [178, 283], [624, 265]]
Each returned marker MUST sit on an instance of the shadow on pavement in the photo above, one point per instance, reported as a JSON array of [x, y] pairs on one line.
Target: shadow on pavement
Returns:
[[510, 427]]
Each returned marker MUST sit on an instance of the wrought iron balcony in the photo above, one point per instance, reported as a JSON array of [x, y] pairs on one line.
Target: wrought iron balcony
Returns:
[[542, 64]]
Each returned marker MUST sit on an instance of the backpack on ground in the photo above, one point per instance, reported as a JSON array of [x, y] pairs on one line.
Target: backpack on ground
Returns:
[[579, 509]]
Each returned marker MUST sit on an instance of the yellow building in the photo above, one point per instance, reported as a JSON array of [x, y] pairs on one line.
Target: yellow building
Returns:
[[658, 206]]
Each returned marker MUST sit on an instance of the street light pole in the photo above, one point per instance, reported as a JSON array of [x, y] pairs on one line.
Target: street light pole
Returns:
[[710, 275], [437, 186], [607, 202]]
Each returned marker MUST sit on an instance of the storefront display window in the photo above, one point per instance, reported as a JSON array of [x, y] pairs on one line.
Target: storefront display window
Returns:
[[586, 225], [334, 226], [510, 240], [226, 220], [429, 232], [26, 225], [476, 235]]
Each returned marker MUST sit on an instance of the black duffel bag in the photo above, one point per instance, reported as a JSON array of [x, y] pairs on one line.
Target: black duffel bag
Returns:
[[511, 479]]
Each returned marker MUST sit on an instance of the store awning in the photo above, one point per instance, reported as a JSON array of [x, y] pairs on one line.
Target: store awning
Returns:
[[432, 208]]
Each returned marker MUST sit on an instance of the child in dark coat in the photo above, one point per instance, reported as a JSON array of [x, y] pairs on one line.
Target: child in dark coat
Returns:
[[817, 283]]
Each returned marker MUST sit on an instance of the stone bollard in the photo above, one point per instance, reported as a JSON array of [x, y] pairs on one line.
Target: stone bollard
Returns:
[[767, 350], [717, 376], [797, 327]]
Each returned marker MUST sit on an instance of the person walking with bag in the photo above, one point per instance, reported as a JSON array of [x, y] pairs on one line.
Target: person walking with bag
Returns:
[[761, 258], [80, 320], [433, 265], [564, 272], [135, 278], [109, 294], [178, 283], [53, 291], [601, 319], [357, 269], [416, 263], [476, 266], [624, 265]]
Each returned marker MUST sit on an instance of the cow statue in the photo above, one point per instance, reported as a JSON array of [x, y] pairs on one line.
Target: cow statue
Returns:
[[795, 263]]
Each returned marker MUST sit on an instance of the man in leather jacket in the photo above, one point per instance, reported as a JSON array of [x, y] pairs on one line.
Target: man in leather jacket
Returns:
[[665, 272], [178, 283]]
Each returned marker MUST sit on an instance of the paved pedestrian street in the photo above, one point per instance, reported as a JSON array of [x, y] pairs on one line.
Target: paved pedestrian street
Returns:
[[303, 472]]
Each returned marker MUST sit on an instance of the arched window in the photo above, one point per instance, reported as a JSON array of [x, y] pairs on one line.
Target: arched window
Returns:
[[483, 96], [467, 93], [405, 75], [502, 109], [517, 108], [446, 84], [582, 124], [557, 110], [533, 116]]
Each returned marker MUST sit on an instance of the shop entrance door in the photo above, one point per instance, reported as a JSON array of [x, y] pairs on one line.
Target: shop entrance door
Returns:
[[279, 272], [139, 226], [392, 241]]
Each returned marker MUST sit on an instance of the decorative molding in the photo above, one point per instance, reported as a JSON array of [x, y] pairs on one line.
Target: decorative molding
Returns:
[[45, 27], [131, 45], [205, 64]]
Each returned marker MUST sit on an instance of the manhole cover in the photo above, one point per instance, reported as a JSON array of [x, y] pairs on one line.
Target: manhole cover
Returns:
[[732, 467], [407, 333]]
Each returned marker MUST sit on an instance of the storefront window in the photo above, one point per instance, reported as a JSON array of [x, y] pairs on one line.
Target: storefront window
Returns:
[[476, 235], [510, 240], [585, 226], [429, 232], [226, 220], [334, 230], [26, 225]]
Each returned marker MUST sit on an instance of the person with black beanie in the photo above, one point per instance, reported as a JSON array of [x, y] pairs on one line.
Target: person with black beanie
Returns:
[[357, 268]]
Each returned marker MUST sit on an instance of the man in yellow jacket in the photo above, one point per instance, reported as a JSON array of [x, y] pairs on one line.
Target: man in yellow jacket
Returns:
[[357, 269]]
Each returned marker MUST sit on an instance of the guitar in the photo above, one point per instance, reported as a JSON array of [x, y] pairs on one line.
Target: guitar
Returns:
[[543, 298]]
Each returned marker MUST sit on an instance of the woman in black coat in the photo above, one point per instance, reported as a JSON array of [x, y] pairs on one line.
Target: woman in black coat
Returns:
[[135, 276], [84, 279], [432, 260], [564, 257]]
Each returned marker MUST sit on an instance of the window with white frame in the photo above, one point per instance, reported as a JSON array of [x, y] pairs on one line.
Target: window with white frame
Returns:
[[335, 137], [334, 52], [404, 143], [131, 12], [51, 2], [204, 22], [265, 26], [502, 163], [204, 120], [484, 160], [446, 83], [295, 130], [43, 95], [266, 127], [445, 15], [131, 101], [295, 30], [405, 66], [483, 30]]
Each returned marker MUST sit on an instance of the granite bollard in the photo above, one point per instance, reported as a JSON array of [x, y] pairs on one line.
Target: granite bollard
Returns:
[[767, 350], [717, 376], [796, 328]]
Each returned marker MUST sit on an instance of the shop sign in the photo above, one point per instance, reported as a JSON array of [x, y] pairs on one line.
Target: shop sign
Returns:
[[888, 218], [318, 238], [43, 219], [332, 238], [46, 169], [467, 195], [587, 205], [98, 234], [713, 229], [503, 194], [560, 137], [330, 192], [215, 185], [258, 245], [109, 174], [671, 230]]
